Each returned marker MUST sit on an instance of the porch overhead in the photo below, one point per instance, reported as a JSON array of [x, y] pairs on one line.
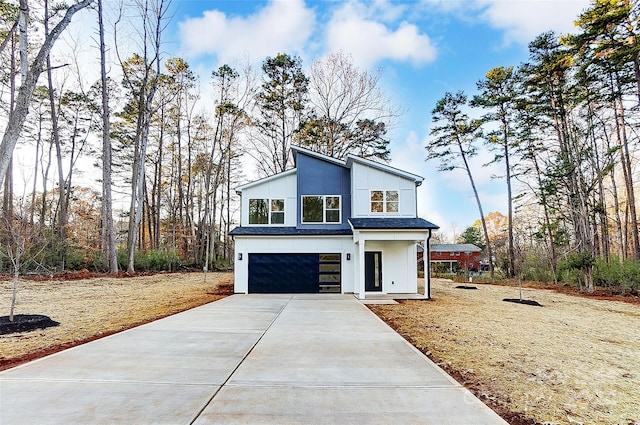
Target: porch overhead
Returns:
[[372, 230], [390, 223]]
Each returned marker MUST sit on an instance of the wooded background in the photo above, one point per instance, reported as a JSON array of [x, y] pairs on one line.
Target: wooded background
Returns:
[[563, 126]]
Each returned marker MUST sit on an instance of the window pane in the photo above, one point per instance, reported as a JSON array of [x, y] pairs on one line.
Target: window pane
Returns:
[[277, 217], [376, 207], [392, 207], [258, 211], [329, 257], [333, 216], [376, 195], [277, 205], [312, 209], [329, 278], [327, 268], [392, 196], [333, 202]]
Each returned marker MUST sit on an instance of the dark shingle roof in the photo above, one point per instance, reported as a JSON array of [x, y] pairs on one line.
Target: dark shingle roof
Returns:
[[287, 231], [455, 247], [392, 223]]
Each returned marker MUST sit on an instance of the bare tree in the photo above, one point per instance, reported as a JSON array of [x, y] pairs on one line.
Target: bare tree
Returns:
[[346, 103], [109, 256], [18, 115], [153, 14]]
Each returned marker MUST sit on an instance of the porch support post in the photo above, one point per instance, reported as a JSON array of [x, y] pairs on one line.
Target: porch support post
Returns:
[[361, 243], [426, 259]]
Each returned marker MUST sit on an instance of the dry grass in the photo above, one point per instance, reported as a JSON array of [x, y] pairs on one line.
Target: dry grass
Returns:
[[91, 308], [574, 360]]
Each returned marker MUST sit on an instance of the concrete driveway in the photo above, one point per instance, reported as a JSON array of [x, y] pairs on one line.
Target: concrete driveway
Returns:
[[246, 359]]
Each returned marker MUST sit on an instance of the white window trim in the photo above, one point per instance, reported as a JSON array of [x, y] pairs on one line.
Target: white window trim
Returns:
[[324, 209], [269, 200], [384, 202]]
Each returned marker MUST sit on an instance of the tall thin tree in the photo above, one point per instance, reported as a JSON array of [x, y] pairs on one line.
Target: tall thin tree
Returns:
[[452, 143]]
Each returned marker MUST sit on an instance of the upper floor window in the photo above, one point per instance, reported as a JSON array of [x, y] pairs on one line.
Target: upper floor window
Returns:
[[384, 201], [265, 211], [321, 209]]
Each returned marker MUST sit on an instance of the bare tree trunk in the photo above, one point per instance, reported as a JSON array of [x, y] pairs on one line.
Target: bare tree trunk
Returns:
[[145, 100], [8, 183], [511, 248], [628, 173], [55, 134], [475, 193], [18, 115], [109, 255]]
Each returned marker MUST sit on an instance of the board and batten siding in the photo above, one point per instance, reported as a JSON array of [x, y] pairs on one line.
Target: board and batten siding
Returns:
[[276, 187], [318, 177], [364, 179]]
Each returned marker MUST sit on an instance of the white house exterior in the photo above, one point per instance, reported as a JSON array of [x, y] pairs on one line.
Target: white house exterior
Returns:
[[330, 226]]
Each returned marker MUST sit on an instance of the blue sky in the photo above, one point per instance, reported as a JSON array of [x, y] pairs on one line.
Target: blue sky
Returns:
[[423, 48]]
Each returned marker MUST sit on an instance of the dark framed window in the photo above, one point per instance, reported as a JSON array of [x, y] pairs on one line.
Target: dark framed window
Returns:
[[329, 273]]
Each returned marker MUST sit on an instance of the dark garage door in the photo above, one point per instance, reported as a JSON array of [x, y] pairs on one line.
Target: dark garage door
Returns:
[[294, 273]]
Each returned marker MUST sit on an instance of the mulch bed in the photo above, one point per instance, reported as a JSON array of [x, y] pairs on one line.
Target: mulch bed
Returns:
[[25, 323], [525, 302]]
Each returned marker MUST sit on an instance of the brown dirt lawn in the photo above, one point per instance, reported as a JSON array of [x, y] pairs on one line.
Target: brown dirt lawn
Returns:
[[91, 308], [574, 360]]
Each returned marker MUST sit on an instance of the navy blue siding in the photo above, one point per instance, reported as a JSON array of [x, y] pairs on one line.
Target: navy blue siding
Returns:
[[318, 177]]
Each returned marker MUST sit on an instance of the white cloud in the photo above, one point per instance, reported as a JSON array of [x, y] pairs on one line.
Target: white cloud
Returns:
[[360, 32], [282, 26], [523, 20]]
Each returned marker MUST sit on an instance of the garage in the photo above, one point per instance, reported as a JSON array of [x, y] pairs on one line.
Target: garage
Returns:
[[294, 273]]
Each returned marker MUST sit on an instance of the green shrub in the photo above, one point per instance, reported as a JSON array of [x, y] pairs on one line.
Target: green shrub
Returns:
[[537, 269], [625, 274], [154, 260]]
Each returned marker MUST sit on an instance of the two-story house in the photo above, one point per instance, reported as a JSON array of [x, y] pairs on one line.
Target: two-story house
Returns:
[[330, 225]]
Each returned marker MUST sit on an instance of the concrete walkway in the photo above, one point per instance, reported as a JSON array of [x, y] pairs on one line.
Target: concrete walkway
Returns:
[[246, 359]]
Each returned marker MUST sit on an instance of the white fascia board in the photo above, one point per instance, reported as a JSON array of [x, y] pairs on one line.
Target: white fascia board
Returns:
[[391, 234], [320, 156], [296, 237], [239, 189], [386, 168]]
